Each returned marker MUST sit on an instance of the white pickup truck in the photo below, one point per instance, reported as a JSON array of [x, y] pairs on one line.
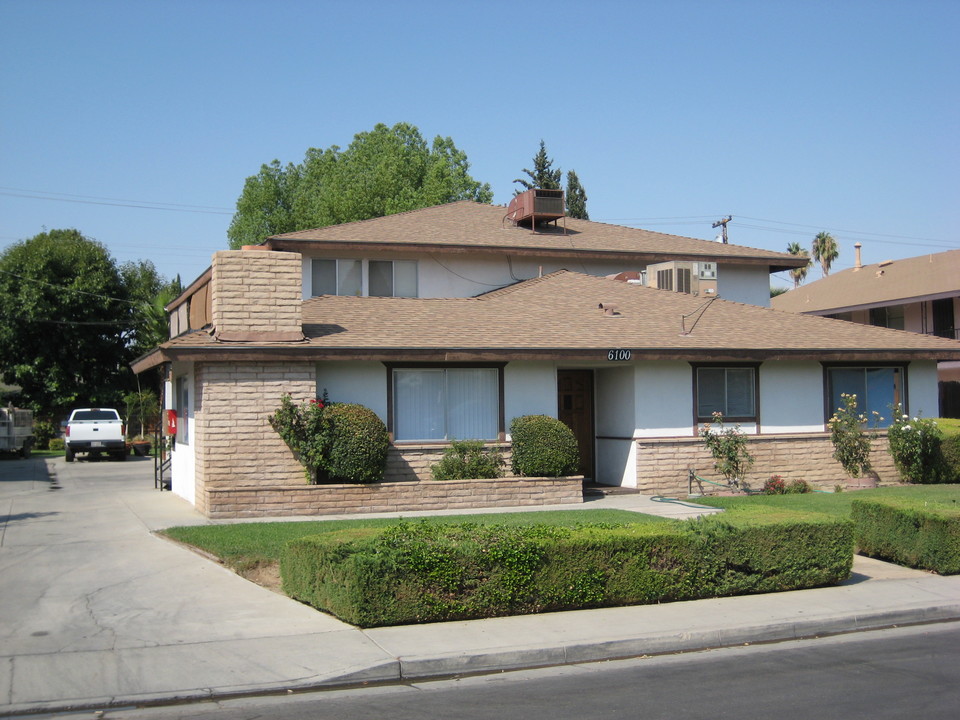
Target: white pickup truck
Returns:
[[95, 431]]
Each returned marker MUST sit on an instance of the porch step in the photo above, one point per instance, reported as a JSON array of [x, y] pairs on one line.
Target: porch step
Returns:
[[592, 489]]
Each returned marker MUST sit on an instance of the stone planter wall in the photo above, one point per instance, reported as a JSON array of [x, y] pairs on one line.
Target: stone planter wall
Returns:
[[290, 500], [663, 464]]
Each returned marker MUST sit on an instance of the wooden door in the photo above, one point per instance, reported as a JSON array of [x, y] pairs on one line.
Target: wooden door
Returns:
[[575, 409]]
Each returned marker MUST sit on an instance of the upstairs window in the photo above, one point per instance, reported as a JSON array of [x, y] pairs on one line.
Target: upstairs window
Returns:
[[888, 317], [393, 278], [376, 278], [336, 277]]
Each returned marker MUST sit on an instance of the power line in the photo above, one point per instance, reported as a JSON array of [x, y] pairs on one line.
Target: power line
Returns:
[[93, 200], [68, 289]]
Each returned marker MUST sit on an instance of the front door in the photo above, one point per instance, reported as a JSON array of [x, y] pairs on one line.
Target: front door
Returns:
[[575, 409]]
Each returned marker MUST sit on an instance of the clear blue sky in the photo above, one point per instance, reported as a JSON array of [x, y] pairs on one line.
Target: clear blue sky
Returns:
[[793, 117]]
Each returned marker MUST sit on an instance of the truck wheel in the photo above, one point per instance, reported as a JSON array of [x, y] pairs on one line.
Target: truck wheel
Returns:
[[120, 455], [68, 455]]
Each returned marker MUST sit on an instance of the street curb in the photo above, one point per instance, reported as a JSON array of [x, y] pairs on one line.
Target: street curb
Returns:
[[419, 668], [437, 667]]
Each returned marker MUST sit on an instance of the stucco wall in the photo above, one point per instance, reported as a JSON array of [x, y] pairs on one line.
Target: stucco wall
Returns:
[[744, 283], [791, 397], [664, 399], [529, 389], [182, 457], [364, 383]]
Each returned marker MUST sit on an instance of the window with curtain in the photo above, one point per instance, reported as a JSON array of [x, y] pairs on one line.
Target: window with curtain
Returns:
[[446, 403], [727, 390], [878, 389]]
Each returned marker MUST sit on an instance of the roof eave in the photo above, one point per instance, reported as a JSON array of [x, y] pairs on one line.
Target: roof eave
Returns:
[[304, 353], [279, 243]]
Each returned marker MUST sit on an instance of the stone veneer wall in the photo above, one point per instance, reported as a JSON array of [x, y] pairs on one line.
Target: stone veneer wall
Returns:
[[663, 463], [414, 462], [412, 496], [256, 291], [235, 445]]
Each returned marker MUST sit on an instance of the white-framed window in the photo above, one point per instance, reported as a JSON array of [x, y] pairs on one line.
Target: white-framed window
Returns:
[[182, 406], [392, 278], [730, 390], [376, 278], [445, 403], [336, 277], [878, 389]]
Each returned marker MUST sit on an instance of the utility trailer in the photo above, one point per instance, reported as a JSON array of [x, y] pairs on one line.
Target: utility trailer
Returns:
[[16, 431]]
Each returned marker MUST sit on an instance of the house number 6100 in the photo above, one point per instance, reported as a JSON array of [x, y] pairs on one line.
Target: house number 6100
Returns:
[[618, 354]]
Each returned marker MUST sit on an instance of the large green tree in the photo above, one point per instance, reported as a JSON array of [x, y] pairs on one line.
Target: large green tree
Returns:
[[384, 171], [71, 320], [545, 176], [825, 251]]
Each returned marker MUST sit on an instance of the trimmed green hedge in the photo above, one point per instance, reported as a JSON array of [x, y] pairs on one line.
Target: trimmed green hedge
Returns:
[[919, 535], [950, 447], [415, 573]]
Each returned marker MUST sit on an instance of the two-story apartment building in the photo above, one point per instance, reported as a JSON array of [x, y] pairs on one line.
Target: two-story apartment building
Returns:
[[451, 321], [919, 294]]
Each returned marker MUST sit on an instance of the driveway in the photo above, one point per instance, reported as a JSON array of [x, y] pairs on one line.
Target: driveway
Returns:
[[93, 606]]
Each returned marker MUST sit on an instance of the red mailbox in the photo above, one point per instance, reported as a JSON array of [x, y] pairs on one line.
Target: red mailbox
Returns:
[[170, 422]]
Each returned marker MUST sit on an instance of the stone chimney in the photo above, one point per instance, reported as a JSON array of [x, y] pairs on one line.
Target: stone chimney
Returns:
[[257, 296], [857, 265]]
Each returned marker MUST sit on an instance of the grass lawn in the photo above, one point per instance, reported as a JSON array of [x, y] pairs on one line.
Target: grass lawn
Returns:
[[246, 546], [836, 504], [949, 426]]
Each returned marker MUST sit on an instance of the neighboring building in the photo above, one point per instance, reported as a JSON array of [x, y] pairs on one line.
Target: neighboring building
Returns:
[[918, 294], [357, 310]]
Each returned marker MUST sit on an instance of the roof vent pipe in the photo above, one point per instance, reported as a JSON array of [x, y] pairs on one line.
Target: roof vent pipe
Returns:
[[857, 264]]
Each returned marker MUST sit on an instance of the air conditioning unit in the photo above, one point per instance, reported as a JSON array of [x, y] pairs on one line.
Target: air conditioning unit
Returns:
[[536, 205], [694, 278]]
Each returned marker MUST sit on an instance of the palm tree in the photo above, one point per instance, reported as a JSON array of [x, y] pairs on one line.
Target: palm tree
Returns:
[[799, 274], [825, 251]]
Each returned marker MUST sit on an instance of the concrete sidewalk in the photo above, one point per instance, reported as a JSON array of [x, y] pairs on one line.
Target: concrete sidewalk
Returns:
[[96, 611]]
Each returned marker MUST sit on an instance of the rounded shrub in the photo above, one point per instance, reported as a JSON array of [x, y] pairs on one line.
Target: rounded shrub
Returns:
[[543, 447], [355, 442]]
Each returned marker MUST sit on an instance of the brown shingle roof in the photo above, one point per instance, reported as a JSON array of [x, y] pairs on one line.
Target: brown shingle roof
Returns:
[[896, 282], [475, 227], [558, 317]]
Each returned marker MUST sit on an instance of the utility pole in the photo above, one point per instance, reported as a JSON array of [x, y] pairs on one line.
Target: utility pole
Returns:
[[723, 223]]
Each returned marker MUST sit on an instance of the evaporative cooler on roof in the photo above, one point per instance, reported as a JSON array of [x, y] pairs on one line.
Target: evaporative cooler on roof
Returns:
[[536, 206]]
